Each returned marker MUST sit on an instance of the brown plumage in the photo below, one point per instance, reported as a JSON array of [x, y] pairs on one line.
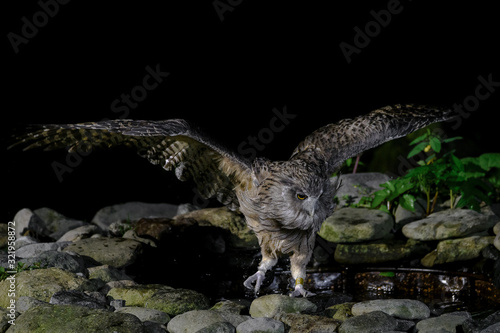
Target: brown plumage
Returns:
[[284, 202]]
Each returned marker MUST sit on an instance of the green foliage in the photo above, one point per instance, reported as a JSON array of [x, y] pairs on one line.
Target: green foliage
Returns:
[[467, 182]]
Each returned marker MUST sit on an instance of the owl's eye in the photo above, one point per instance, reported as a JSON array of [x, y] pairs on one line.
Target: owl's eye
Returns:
[[301, 196]]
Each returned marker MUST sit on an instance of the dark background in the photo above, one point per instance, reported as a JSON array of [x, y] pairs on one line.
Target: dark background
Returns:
[[227, 76]]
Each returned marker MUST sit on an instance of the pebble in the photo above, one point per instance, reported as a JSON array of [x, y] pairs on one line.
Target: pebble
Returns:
[[85, 231], [261, 324], [32, 250]]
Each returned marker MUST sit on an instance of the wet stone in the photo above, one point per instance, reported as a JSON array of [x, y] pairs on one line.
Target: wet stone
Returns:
[[145, 314], [372, 322], [399, 308], [63, 260], [85, 231], [444, 323], [56, 223], [32, 250], [301, 323], [72, 297], [351, 225], [355, 186], [177, 301], [261, 324], [456, 250], [196, 321], [270, 305]]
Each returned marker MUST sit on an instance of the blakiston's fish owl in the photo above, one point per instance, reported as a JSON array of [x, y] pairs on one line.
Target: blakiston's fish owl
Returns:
[[284, 202]]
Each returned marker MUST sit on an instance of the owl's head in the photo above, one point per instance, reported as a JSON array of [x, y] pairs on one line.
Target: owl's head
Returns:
[[297, 195]]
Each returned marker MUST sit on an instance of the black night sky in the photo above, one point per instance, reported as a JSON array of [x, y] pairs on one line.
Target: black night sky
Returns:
[[230, 66]]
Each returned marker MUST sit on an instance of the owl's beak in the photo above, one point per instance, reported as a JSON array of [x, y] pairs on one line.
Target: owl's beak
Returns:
[[311, 207]]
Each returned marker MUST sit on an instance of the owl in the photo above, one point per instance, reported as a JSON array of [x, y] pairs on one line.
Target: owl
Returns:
[[284, 202]]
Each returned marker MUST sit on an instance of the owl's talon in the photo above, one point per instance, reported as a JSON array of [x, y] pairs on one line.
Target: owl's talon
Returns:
[[258, 277], [299, 290]]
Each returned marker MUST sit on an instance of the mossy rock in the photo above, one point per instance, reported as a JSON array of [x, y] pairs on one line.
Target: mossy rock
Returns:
[[177, 301], [136, 295]]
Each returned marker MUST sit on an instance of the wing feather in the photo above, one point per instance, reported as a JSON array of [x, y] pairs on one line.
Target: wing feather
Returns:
[[334, 143], [173, 144]]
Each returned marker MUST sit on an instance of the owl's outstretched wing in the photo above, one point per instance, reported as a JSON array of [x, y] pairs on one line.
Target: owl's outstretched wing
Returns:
[[334, 143], [172, 144]]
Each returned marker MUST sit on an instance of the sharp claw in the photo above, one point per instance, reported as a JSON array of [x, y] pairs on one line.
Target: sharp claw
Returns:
[[257, 278], [299, 290]]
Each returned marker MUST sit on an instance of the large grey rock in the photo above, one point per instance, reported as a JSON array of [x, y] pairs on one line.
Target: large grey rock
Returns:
[[24, 303], [444, 323], [358, 185], [84, 231], [177, 301], [26, 220], [132, 211], [33, 250], [496, 241], [372, 322], [136, 295], [73, 318], [146, 314], [231, 312], [450, 223], [261, 325], [107, 273], [400, 308], [63, 260], [117, 252], [379, 251], [452, 250], [195, 321], [351, 225], [302, 323], [73, 297], [270, 305], [56, 223], [43, 283]]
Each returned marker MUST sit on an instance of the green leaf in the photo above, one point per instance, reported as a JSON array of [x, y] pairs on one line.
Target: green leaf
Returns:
[[489, 160], [387, 274], [435, 144], [417, 149], [407, 201], [420, 138], [452, 139], [379, 197]]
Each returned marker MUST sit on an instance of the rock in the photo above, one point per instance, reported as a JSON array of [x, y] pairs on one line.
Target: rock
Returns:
[[444, 323], [270, 305], [496, 229], [62, 260], [195, 321], [136, 295], [56, 223], [4, 319], [117, 252], [222, 217], [132, 211], [231, 312], [107, 273], [450, 223], [119, 228], [33, 250], [301, 323], [3, 235], [358, 185], [26, 220], [379, 251], [261, 325], [24, 240], [24, 303], [72, 297], [496, 241], [399, 308], [482, 326], [43, 283], [146, 314], [351, 225], [73, 318], [155, 227], [372, 322], [457, 250], [85, 231], [340, 312], [177, 301]]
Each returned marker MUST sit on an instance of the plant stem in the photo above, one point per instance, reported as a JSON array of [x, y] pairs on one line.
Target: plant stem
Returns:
[[434, 200]]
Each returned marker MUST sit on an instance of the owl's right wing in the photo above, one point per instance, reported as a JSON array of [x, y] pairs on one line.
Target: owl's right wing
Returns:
[[173, 144], [332, 144]]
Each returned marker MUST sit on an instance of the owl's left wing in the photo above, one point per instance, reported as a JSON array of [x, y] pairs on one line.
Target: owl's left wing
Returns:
[[332, 144], [173, 144]]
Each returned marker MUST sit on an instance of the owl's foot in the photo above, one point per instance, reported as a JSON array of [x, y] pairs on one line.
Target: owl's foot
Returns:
[[299, 290], [257, 278]]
